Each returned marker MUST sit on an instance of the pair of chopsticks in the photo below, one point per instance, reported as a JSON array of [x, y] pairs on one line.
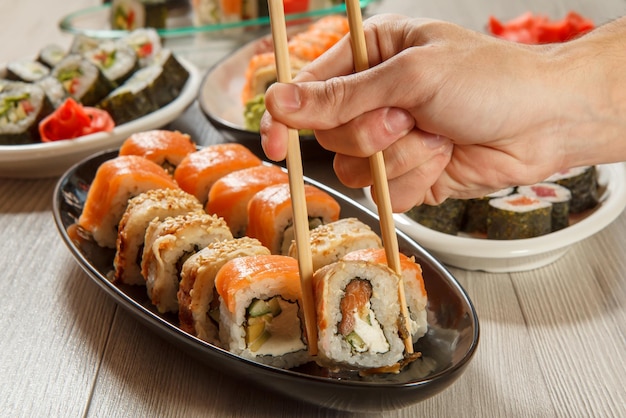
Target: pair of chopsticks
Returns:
[[296, 182]]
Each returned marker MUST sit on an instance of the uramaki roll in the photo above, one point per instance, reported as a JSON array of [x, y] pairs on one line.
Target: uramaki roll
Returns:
[[116, 181], [330, 242], [168, 243], [141, 210], [166, 148], [414, 290], [198, 301], [358, 315], [270, 215], [261, 310]]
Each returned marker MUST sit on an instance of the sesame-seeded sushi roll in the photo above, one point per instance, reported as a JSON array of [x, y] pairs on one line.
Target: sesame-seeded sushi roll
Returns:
[[141, 210], [22, 106], [201, 169], [116, 60], [82, 80], [559, 196], [168, 243], [517, 217], [198, 301], [116, 181], [582, 182], [261, 315], [476, 210], [229, 196], [164, 147], [27, 71], [358, 314], [446, 217], [270, 214], [331, 241], [414, 290]]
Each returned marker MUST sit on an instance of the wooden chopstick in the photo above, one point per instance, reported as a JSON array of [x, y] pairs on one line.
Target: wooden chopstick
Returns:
[[377, 166], [296, 179]]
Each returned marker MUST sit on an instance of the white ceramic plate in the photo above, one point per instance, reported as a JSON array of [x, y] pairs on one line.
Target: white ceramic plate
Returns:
[[53, 158], [523, 254]]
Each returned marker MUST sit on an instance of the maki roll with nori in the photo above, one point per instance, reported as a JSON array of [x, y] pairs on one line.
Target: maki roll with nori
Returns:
[[518, 217], [146, 43], [21, 108], [55, 93], [27, 71], [583, 183], [51, 55], [559, 196], [116, 60], [446, 217], [174, 73], [82, 80], [477, 210]]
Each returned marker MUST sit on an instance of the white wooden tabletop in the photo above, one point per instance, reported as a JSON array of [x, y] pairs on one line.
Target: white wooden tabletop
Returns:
[[553, 339]]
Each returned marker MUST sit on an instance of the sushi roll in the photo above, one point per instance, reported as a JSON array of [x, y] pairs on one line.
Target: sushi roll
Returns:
[[197, 172], [517, 217], [164, 147], [116, 60], [582, 182], [27, 71], [230, 194], [146, 43], [22, 106], [55, 93], [446, 217], [133, 14], [198, 301], [167, 245], [476, 210], [414, 290], [331, 241], [270, 215], [82, 80], [261, 315], [51, 55], [82, 44], [358, 313], [175, 75], [115, 182], [559, 196], [141, 210]]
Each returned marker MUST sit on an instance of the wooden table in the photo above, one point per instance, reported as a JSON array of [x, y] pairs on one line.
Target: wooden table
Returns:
[[553, 339]]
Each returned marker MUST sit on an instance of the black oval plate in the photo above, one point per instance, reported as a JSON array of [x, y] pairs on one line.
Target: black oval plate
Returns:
[[446, 349]]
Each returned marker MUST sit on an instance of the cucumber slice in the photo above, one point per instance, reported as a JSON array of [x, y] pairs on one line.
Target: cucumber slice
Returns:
[[260, 307], [356, 342]]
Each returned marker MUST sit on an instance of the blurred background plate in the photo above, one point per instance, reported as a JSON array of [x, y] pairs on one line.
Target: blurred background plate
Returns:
[[49, 159], [500, 256]]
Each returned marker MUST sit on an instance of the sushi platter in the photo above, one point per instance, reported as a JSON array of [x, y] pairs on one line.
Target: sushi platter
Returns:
[[499, 256], [447, 347]]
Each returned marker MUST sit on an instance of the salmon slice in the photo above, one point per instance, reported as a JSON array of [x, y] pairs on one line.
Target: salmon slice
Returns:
[[166, 148], [229, 196], [116, 181], [199, 170], [270, 214]]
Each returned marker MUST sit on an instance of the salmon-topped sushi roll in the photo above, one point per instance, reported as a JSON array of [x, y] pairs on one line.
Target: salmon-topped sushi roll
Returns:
[[116, 181], [330, 242], [270, 214], [414, 290], [358, 315], [168, 244], [260, 310], [261, 73], [141, 210], [199, 170], [229, 196], [198, 301], [166, 148]]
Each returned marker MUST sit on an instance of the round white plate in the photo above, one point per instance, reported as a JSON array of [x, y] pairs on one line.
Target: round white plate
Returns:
[[523, 254], [49, 159]]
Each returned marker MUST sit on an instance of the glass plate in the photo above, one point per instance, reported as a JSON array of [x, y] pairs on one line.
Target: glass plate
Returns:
[[94, 22]]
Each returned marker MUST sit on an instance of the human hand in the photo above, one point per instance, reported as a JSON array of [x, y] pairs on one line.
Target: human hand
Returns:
[[456, 113]]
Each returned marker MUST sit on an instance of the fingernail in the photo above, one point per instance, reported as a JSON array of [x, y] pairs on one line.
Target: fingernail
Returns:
[[433, 141], [287, 97], [398, 121]]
